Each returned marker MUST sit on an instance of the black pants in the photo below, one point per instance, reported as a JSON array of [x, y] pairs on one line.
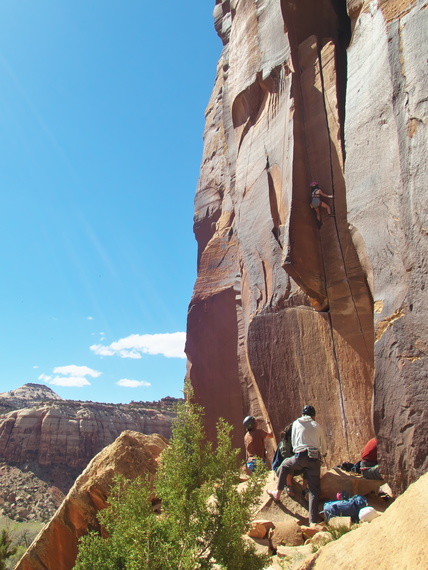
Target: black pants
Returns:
[[312, 469]]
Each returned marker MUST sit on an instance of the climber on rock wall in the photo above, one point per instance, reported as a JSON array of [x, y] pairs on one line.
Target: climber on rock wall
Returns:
[[254, 441], [316, 201]]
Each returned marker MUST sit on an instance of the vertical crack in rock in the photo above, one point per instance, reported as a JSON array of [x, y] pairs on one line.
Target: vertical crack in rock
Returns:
[[295, 295], [387, 81], [318, 40], [282, 309]]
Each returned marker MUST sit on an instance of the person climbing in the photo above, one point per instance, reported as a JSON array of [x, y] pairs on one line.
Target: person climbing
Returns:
[[284, 451], [254, 441], [308, 443], [317, 203]]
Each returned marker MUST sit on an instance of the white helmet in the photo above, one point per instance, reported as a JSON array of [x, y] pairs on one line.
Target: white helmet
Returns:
[[367, 514]]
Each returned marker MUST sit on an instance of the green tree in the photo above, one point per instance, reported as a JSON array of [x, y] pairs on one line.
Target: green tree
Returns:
[[203, 515], [5, 549]]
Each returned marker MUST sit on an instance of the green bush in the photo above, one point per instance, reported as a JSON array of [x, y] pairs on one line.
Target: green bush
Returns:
[[6, 550], [21, 535], [203, 516]]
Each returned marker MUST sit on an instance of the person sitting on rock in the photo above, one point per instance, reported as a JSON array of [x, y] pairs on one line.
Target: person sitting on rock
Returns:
[[308, 443], [369, 467], [317, 203], [254, 441]]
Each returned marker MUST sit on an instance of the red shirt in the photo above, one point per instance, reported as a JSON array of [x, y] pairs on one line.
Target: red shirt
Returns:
[[254, 441], [370, 451]]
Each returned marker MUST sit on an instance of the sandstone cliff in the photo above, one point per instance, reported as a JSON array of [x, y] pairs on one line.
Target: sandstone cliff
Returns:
[[286, 311], [64, 432], [55, 548]]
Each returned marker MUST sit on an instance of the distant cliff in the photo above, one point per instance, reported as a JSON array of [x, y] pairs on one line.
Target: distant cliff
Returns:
[[52, 431], [28, 394], [288, 311]]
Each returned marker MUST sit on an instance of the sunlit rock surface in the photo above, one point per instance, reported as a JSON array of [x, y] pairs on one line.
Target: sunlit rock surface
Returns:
[[21, 397], [386, 174], [55, 548], [396, 539], [64, 432], [282, 309]]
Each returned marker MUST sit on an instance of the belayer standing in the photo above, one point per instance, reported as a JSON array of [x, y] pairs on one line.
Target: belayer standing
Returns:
[[254, 441], [316, 202], [308, 443], [284, 451]]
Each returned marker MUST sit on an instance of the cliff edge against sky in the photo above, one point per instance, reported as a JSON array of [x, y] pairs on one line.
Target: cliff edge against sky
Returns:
[[288, 311]]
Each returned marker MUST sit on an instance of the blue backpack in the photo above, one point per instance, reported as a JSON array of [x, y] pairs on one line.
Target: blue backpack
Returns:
[[347, 508]]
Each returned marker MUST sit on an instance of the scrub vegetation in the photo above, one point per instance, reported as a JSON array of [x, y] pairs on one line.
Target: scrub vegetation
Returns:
[[15, 538], [203, 516]]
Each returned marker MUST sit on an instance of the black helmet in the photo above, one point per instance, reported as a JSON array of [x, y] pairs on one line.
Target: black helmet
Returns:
[[308, 411], [249, 422]]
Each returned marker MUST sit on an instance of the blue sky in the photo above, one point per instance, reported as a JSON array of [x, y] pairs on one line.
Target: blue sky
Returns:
[[101, 121]]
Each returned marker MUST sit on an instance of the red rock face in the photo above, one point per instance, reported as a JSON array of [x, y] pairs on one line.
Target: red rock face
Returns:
[[386, 141], [282, 310]]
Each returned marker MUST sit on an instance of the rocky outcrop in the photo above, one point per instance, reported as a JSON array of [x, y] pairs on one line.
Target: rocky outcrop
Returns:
[[283, 309], [55, 548], [397, 539], [72, 433], [25, 395]]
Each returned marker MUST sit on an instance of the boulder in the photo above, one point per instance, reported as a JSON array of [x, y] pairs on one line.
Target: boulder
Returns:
[[310, 531], [336, 480], [260, 528], [321, 538], [55, 548], [340, 522], [397, 539], [286, 533]]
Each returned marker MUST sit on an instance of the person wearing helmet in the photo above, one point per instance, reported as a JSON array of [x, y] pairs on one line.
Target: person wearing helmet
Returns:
[[308, 443], [254, 441], [316, 202]]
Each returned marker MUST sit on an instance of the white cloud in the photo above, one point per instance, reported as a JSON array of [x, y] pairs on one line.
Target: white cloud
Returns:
[[45, 378], [69, 381], [170, 345], [70, 376], [132, 383], [90, 318], [102, 350], [129, 354], [72, 369]]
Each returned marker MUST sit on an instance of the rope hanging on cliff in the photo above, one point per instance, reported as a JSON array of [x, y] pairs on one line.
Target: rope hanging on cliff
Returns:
[[271, 362]]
